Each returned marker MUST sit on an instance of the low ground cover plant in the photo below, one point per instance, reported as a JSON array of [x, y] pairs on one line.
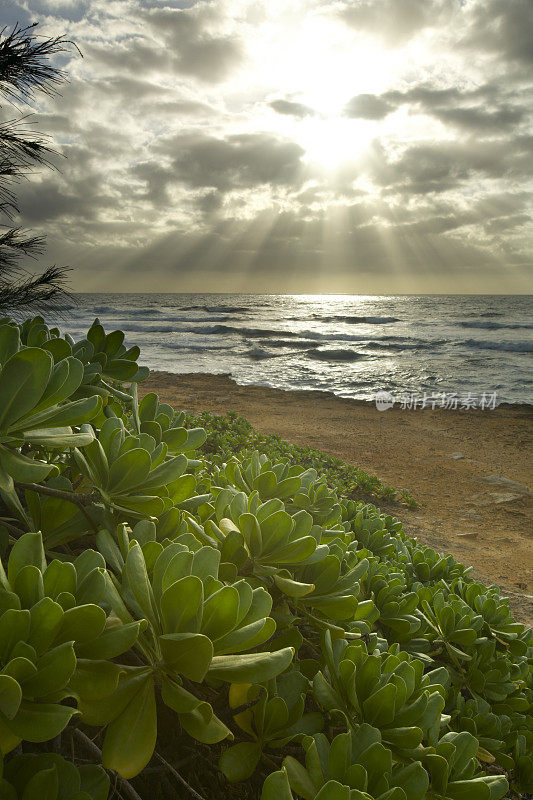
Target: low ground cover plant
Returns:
[[219, 622], [229, 434]]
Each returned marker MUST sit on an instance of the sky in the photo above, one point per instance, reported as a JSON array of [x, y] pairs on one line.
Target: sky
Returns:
[[300, 146]]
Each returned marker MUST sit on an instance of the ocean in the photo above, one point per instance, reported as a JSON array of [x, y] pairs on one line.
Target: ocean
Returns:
[[351, 345]]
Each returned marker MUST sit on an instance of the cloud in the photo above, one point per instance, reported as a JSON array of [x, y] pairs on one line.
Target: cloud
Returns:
[[503, 27], [442, 166], [479, 110], [368, 106], [238, 161], [395, 21], [292, 109], [194, 145], [199, 52]]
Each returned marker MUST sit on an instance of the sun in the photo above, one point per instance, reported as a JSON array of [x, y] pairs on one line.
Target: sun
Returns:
[[330, 142], [319, 64]]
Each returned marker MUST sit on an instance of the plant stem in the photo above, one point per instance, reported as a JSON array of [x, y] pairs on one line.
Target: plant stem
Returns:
[[125, 786], [11, 528], [80, 500], [178, 777]]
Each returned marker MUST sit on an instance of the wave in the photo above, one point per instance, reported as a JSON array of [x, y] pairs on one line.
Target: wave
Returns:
[[303, 344], [495, 325], [508, 347], [402, 345], [250, 333], [127, 312], [193, 348], [349, 320], [217, 309], [259, 354], [335, 355]]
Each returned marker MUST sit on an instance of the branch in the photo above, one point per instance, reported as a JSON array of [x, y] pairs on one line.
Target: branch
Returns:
[[178, 777], [80, 500], [45, 292], [125, 786], [11, 528], [14, 244], [23, 63]]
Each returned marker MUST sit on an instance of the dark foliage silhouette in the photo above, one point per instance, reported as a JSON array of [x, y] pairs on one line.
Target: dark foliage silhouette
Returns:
[[25, 71]]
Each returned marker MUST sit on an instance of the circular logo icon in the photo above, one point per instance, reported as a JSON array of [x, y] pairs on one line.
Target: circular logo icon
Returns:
[[384, 400]]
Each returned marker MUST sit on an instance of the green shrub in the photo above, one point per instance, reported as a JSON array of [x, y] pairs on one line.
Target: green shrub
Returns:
[[167, 592]]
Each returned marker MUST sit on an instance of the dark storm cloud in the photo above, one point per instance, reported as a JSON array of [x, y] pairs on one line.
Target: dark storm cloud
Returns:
[[156, 181], [210, 201], [283, 246], [503, 27], [198, 52], [395, 21], [368, 106], [238, 161], [463, 109], [292, 109], [445, 165], [175, 41], [170, 163], [476, 118], [134, 56], [84, 200], [503, 224]]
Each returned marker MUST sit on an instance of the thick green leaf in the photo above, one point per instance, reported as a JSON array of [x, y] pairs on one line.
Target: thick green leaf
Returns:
[[22, 382], [24, 469], [204, 726], [75, 413], [148, 505], [299, 778], [188, 654], [95, 680], [58, 437], [379, 707], [129, 470], [54, 670], [135, 569], [10, 696], [9, 342], [82, 623], [114, 640], [277, 787], [293, 588], [94, 781], [251, 667], [46, 618], [333, 790], [130, 738], [39, 722], [26, 550], [181, 605], [238, 762]]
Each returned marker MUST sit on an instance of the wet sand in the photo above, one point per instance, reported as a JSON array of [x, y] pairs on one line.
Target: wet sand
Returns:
[[485, 524]]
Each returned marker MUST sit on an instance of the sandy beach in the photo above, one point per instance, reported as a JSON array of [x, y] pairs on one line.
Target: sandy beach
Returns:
[[469, 511]]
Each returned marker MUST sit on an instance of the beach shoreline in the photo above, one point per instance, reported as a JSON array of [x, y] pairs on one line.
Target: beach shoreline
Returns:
[[443, 457]]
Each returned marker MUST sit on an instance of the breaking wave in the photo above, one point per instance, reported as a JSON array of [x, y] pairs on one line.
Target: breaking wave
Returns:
[[508, 347], [495, 325]]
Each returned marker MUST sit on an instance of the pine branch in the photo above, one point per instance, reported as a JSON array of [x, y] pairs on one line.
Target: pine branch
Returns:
[[14, 244], [24, 67], [44, 293], [21, 147]]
